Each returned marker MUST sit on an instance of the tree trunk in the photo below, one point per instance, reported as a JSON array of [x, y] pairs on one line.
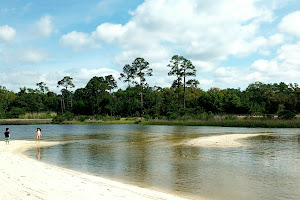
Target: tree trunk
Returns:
[[184, 92], [178, 94], [142, 106], [61, 105]]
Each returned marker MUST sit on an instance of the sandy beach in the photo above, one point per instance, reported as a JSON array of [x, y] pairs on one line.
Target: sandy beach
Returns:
[[25, 178], [229, 140]]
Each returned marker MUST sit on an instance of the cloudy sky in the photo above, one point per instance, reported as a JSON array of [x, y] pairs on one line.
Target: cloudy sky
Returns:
[[231, 42]]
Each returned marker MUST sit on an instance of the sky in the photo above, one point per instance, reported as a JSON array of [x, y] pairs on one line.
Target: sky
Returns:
[[231, 43]]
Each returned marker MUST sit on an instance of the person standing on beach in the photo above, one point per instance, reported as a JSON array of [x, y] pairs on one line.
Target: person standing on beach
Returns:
[[7, 136], [38, 134]]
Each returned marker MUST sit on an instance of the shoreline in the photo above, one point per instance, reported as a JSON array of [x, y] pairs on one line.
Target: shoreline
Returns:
[[25, 178], [243, 123]]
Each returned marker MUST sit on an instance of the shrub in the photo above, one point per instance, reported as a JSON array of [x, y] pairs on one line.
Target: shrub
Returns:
[[69, 116], [59, 118], [147, 117], [82, 118], [15, 112], [172, 116], [287, 114], [230, 117], [268, 116]]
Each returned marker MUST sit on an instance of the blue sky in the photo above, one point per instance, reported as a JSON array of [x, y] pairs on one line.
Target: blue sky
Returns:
[[232, 43]]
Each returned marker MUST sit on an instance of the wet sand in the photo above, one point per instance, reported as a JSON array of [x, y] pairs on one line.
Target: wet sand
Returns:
[[229, 140], [25, 178]]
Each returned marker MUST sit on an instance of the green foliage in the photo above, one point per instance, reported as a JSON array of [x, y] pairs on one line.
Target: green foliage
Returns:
[[36, 115], [287, 114], [82, 118], [108, 118], [268, 116], [172, 116], [69, 116], [147, 117], [59, 118], [183, 102], [15, 112]]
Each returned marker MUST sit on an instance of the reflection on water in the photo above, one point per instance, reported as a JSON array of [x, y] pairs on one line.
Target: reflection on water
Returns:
[[38, 153], [152, 156]]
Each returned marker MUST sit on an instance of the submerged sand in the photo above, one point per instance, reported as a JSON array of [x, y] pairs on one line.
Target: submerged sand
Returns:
[[25, 178], [229, 140]]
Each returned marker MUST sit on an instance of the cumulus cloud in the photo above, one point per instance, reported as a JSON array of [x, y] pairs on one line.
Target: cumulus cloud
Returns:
[[23, 56], [284, 67], [289, 56], [45, 27], [291, 24], [77, 41], [7, 33], [108, 32], [206, 32]]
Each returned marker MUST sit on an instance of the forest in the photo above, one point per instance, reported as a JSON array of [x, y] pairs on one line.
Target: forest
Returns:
[[101, 96]]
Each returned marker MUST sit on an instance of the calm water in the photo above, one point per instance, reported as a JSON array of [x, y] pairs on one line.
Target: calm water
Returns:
[[153, 157]]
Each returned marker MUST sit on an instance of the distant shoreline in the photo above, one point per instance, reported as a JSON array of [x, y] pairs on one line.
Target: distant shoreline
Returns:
[[24, 121], [247, 123]]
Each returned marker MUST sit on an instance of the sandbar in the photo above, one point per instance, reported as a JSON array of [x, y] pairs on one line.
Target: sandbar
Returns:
[[228, 140], [25, 178]]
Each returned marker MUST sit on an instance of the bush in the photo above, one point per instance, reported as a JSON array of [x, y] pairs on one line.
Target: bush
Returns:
[[172, 116], [230, 117], [147, 117], [268, 116], [59, 118], [108, 118], [69, 116], [15, 112], [287, 114], [82, 118]]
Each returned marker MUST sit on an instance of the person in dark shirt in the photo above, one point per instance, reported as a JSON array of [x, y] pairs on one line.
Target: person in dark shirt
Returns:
[[7, 136]]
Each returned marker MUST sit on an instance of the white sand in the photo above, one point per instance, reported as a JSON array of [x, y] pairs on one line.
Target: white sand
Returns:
[[231, 140], [24, 178]]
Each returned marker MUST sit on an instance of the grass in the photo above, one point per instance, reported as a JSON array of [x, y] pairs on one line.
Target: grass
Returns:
[[252, 123], [24, 121], [99, 122], [216, 121], [38, 115]]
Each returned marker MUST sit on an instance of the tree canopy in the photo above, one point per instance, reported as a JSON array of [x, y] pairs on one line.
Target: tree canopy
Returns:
[[184, 97]]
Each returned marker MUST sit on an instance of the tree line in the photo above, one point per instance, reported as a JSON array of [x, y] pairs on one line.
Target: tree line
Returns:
[[101, 96]]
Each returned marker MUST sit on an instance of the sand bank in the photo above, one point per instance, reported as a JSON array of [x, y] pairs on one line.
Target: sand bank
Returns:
[[25, 178], [229, 140]]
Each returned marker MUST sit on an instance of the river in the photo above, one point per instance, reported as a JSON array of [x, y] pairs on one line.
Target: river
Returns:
[[268, 167]]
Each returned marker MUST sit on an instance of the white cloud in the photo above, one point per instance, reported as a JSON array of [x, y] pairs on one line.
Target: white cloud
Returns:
[[289, 55], [275, 39], [44, 26], [7, 33], [77, 41], [86, 74], [205, 31], [108, 32], [291, 24], [23, 56], [284, 67]]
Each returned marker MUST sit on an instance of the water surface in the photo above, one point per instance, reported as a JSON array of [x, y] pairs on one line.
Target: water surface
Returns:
[[154, 157]]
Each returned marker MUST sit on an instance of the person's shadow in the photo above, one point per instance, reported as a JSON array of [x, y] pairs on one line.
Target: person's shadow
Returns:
[[38, 153]]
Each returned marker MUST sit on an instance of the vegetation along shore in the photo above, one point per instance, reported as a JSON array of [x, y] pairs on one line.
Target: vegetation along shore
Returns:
[[184, 103]]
